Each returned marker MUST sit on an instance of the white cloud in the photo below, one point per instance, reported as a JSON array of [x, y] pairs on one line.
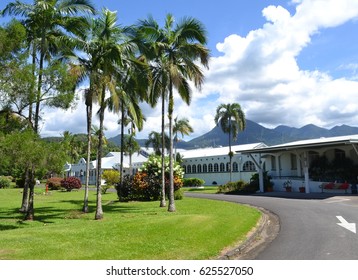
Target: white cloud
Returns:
[[260, 71]]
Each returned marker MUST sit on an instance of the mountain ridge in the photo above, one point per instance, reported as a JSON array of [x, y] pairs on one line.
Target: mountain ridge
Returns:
[[255, 132]]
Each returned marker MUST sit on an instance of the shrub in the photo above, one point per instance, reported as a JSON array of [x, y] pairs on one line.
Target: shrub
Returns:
[[4, 183], [111, 177], [71, 183], [54, 183], [179, 194], [238, 187], [146, 184], [193, 182]]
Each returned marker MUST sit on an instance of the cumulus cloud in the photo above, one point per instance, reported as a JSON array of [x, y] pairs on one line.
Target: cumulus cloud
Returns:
[[260, 71]]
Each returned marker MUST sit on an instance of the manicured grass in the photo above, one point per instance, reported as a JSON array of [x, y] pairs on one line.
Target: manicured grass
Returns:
[[200, 229], [206, 189]]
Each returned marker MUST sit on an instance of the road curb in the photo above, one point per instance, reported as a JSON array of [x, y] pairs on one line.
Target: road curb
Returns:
[[258, 238]]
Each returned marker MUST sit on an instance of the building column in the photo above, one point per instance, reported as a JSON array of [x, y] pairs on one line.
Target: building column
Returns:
[[261, 173], [306, 172]]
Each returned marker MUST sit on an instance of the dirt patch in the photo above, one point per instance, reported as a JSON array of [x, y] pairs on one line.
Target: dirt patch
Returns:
[[257, 239]]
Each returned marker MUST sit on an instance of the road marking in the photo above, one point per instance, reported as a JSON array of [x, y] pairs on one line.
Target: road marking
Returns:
[[336, 200], [343, 223]]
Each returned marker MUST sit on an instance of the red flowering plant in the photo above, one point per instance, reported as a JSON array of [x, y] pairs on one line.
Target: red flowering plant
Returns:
[[71, 183]]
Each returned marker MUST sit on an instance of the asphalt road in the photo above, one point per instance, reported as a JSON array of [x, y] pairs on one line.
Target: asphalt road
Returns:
[[309, 228]]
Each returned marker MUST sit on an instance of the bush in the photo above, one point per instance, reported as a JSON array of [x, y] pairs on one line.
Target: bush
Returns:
[[111, 177], [239, 187], [146, 184], [179, 194], [193, 182], [71, 183], [4, 183], [54, 183]]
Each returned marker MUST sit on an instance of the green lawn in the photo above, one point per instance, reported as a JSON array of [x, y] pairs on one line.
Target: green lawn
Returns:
[[200, 229]]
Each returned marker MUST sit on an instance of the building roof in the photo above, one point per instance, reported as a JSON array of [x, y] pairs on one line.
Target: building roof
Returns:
[[208, 152], [310, 143]]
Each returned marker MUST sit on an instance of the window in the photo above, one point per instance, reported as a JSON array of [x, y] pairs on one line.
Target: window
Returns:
[[199, 168], [228, 167], [339, 154], [205, 168], [249, 166], [235, 167], [210, 168], [194, 168], [216, 167], [188, 169], [222, 167], [184, 168], [273, 163], [293, 162]]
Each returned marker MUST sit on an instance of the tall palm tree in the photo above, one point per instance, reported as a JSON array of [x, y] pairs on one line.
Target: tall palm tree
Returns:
[[155, 140], [114, 52], [231, 119], [47, 22], [179, 48], [183, 127]]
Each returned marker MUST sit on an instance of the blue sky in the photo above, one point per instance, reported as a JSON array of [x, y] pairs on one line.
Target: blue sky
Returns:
[[288, 62]]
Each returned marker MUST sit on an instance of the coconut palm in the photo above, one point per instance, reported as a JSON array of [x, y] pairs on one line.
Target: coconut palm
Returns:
[[155, 140], [47, 22], [178, 50], [183, 127], [231, 119]]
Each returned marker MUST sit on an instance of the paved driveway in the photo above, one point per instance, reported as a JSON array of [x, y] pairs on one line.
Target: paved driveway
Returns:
[[309, 228]]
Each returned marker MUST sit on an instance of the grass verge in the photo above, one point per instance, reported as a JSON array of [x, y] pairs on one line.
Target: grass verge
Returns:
[[200, 229]]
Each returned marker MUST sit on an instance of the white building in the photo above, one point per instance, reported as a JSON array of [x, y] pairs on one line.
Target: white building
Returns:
[[213, 164], [297, 162], [109, 162]]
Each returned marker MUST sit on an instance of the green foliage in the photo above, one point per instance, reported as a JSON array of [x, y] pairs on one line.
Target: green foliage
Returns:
[[71, 183], [111, 177], [255, 183], [146, 184], [238, 187], [193, 182], [4, 183]]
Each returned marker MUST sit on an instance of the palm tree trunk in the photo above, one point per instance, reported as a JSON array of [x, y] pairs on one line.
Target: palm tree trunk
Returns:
[[122, 146], [171, 207], [39, 85], [163, 202], [89, 140], [230, 153], [99, 210]]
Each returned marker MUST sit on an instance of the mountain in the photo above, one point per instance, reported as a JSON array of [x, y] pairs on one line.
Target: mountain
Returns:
[[255, 132]]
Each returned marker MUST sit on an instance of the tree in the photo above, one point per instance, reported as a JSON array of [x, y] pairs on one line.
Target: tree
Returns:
[[183, 127], [113, 50], [155, 140], [178, 50], [231, 119], [27, 152], [47, 23]]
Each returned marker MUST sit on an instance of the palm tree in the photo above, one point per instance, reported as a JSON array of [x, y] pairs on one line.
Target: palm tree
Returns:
[[47, 23], [183, 127], [155, 140], [232, 120], [114, 51], [178, 49]]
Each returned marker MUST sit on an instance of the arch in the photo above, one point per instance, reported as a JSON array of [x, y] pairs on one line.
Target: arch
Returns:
[[205, 168], [235, 167], [216, 167], [249, 166], [188, 170], [193, 168], [199, 168], [210, 168], [222, 167]]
